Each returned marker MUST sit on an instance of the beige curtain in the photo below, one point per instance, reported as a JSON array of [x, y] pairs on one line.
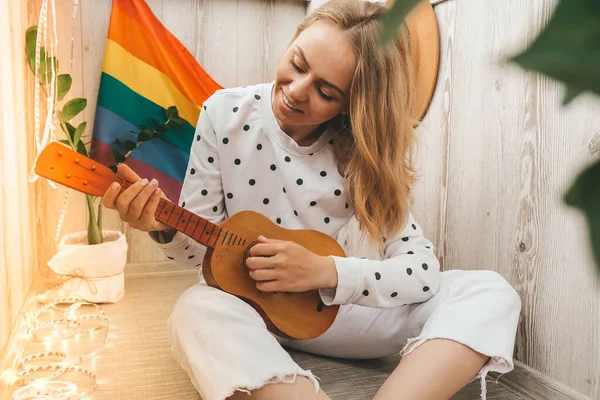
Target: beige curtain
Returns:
[[18, 238]]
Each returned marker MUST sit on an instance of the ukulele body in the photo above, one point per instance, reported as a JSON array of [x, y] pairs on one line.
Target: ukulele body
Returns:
[[289, 315]]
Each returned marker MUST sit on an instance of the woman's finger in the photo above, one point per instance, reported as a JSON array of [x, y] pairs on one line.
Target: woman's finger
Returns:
[[110, 196], [260, 263], [136, 208], [263, 274], [266, 249], [124, 200], [127, 173]]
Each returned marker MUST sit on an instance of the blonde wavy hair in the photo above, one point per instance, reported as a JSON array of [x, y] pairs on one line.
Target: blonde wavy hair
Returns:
[[375, 147]]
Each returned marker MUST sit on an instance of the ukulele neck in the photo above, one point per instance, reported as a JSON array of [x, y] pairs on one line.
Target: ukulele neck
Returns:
[[194, 226]]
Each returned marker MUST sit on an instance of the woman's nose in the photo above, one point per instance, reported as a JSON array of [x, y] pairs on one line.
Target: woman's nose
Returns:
[[299, 90]]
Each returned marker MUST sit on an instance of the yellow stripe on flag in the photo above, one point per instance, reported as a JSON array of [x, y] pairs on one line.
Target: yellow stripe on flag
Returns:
[[147, 81]]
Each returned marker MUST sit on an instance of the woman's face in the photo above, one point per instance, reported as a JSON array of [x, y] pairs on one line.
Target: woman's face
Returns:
[[313, 77]]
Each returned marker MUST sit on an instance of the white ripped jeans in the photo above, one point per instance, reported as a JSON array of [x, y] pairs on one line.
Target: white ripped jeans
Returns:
[[223, 345]]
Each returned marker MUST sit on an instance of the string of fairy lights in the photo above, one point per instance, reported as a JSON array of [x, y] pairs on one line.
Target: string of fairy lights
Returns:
[[61, 332]]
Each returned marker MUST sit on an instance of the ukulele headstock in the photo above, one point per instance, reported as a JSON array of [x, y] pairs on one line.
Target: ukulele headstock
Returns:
[[63, 165]]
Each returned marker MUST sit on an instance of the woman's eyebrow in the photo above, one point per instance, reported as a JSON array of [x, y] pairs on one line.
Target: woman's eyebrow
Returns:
[[321, 79]]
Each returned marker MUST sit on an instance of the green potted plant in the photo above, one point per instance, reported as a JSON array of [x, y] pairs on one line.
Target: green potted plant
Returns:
[[89, 263]]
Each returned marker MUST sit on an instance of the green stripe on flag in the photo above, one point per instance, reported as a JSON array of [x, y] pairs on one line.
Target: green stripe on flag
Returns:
[[138, 110]]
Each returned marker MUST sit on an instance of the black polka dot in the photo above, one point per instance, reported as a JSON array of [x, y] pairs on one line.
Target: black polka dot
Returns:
[[197, 265], [365, 292], [427, 247], [230, 195], [187, 247], [326, 220], [204, 192], [405, 239], [295, 213], [377, 275], [279, 220], [198, 137], [394, 294], [287, 159], [183, 204], [414, 227], [299, 181], [347, 205], [190, 257], [215, 209], [246, 127], [258, 146], [337, 192], [170, 258], [311, 154], [251, 182], [323, 173], [225, 140], [330, 141], [192, 171], [265, 201], [425, 266], [426, 288], [284, 191], [273, 167], [235, 109], [257, 97], [384, 239], [211, 160], [205, 107], [409, 271], [411, 252], [313, 203], [237, 161]]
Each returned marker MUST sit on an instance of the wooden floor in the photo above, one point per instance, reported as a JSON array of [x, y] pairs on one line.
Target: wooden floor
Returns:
[[139, 365]]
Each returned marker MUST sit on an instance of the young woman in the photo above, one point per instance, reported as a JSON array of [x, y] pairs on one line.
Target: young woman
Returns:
[[330, 138]]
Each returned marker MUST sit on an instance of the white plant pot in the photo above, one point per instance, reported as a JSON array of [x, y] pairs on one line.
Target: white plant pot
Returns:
[[92, 272]]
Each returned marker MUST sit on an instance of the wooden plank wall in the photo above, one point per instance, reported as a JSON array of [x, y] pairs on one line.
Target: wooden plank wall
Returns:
[[497, 153]]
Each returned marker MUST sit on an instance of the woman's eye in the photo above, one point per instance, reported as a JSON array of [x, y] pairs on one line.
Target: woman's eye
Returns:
[[296, 67], [323, 95]]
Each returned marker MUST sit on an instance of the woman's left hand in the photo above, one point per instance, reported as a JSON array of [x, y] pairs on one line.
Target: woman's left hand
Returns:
[[284, 266]]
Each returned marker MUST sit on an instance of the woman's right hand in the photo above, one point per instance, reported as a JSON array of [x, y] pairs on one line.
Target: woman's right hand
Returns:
[[136, 204]]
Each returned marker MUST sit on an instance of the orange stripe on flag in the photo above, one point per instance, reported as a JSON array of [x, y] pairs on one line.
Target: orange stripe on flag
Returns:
[[136, 29]]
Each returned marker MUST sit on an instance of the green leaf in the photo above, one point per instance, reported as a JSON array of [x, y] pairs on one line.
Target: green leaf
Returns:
[[172, 111], [64, 82], [156, 123], [71, 131], [178, 121], [81, 149], [79, 132], [65, 141], [119, 158], [130, 145], [393, 18], [568, 49], [584, 195], [145, 135], [45, 71], [113, 168], [30, 42], [72, 108]]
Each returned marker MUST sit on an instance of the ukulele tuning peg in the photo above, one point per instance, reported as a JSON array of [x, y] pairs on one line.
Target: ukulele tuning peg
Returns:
[[85, 182], [93, 167], [60, 152], [68, 175], [77, 161]]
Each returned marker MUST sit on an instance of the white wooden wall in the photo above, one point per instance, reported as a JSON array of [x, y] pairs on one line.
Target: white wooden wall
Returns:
[[497, 153]]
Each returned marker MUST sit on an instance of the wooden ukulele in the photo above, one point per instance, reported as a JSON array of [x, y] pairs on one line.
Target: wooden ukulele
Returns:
[[290, 315]]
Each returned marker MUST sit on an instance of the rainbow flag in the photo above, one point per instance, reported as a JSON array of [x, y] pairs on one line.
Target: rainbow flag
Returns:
[[146, 70]]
